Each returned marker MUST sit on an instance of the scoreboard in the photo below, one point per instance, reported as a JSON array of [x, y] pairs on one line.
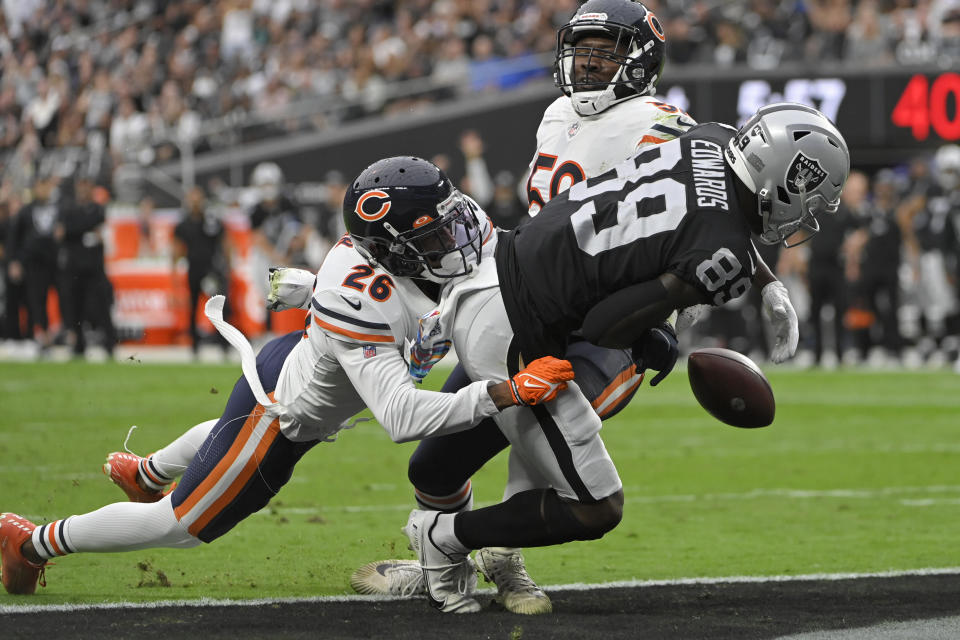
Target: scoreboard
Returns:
[[879, 112]]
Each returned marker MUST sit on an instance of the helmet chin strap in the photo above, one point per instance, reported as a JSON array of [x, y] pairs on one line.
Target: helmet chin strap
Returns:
[[590, 103]]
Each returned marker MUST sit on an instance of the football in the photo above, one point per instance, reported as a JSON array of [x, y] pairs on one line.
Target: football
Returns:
[[731, 387]]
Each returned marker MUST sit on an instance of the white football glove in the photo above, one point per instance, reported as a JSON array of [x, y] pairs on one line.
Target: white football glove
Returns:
[[782, 318], [290, 288], [688, 317]]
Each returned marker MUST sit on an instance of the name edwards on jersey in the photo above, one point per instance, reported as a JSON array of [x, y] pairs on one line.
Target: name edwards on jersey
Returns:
[[709, 181]]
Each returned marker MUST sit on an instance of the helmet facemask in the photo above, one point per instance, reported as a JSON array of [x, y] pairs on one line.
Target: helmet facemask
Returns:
[[780, 224], [443, 244], [637, 73]]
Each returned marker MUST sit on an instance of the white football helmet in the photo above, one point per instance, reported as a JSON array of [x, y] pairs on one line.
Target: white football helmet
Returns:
[[796, 161]]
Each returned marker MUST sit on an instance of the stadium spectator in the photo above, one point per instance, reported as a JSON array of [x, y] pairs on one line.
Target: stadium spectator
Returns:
[[875, 256], [330, 209], [868, 37], [86, 292], [477, 180], [202, 239], [829, 19], [33, 256], [12, 295], [825, 267], [506, 209]]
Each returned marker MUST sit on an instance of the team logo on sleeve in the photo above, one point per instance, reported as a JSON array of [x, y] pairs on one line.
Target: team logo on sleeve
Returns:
[[804, 174], [373, 205]]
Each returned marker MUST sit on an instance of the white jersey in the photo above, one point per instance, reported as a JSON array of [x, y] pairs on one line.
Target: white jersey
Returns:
[[572, 147], [351, 358]]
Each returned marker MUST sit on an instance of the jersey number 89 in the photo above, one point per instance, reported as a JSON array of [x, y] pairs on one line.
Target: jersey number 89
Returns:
[[664, 203]]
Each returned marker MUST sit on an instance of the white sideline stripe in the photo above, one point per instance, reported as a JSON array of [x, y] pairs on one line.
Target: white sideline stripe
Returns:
[[577, 586]]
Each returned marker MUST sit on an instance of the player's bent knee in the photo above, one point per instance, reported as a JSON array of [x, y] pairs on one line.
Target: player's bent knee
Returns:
[[432, 478], [583, 521], [600, 517]]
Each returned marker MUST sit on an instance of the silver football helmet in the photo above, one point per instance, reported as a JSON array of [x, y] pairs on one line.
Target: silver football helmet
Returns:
[[795, 161], [946, 165]]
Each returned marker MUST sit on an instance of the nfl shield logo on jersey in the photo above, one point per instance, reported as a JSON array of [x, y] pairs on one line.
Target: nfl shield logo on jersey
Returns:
[[369, 351], [804, 174], [573, 129]]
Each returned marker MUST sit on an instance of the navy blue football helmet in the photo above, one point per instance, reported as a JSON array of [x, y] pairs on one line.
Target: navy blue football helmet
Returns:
[[405, 215], [638, 46]]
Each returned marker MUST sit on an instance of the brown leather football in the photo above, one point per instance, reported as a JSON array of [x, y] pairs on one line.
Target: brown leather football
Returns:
[[731, 387]]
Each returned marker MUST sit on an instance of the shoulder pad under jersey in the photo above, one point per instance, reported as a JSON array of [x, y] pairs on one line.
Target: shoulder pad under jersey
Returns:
[[559, 108], [654, 122]]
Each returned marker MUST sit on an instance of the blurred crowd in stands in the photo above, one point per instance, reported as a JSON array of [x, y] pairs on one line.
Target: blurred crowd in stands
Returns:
[[92, 91], [91, 86]]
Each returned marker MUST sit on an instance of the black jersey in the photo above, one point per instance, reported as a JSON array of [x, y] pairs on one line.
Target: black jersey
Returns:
[[670, 209]]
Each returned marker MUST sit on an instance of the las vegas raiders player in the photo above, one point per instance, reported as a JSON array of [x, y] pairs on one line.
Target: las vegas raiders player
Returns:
[[615, 255], [609, 60], [350, 357]]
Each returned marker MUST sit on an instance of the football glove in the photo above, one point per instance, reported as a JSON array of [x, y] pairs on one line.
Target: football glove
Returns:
[[290, 288], [782, 319], [657, 349], [430, 347], [540, 381]]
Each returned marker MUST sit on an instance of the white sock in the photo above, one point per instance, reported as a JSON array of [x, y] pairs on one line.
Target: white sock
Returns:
[[444, 537], [160, 468], [123, 526]]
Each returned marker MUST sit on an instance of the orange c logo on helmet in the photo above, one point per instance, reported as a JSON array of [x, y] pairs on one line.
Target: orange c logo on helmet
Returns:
[[380, 196], [654, 23]]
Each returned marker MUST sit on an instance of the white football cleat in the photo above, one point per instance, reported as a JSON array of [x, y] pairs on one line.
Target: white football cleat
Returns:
[[449, 578], [516, 590], [402, 578]]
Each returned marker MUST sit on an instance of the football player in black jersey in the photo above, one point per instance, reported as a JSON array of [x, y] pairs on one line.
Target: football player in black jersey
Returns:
[[669, 228]]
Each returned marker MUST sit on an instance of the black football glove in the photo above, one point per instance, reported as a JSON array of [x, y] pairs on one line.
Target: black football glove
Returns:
[[657, 349]]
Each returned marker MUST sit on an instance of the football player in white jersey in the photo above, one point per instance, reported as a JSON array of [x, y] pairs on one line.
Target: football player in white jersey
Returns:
[[302, 388], [609, 59]]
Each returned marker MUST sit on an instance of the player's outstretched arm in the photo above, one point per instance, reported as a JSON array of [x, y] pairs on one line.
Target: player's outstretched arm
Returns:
[[408, 412]]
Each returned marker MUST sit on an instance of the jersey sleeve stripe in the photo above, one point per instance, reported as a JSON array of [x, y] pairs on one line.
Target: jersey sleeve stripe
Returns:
[[349, 320], [356, 335], [649, 139], [670, 131]]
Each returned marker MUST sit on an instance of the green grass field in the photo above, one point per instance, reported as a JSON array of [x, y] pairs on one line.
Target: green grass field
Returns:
[[860, 472]]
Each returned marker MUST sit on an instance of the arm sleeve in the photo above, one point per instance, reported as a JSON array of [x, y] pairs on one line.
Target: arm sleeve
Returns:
[[405, 411]]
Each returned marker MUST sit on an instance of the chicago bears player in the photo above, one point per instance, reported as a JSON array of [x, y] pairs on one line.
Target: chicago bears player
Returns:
[[609, 60], [614, 256], [303, 387]]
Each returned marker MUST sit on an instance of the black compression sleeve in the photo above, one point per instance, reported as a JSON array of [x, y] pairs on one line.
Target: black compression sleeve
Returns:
[[602, 319]]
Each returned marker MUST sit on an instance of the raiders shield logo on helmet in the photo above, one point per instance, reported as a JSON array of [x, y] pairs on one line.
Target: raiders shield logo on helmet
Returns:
[[805, 173]]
